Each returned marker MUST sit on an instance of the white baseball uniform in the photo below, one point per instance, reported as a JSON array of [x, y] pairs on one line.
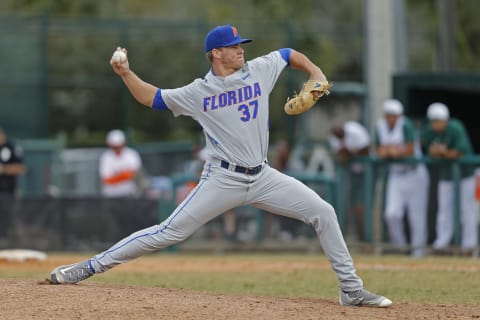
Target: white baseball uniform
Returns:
[[407, 188], [112, 166], [356, 138], [234, 114]]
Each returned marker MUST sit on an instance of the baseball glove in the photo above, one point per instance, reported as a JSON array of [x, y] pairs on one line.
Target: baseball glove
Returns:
[[311, 91]]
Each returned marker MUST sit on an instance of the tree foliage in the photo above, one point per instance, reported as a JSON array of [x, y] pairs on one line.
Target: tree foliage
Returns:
[[165, 42]]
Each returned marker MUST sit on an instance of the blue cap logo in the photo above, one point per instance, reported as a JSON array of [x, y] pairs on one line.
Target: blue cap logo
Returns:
[[223, 36]]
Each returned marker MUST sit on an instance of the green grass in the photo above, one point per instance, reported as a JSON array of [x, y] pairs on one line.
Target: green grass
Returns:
[[400, 278], [287, 284]]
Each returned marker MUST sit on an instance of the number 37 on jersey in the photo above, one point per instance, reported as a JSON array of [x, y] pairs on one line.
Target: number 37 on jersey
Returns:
[[244, 98]]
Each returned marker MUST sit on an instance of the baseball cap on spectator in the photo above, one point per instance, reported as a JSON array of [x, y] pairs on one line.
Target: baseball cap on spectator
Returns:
[[116, 138], [393, 107], [438, 111], [223, 36]]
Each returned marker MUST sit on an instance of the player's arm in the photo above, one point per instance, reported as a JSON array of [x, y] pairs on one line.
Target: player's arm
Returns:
[[461, 145], [454, 152], [380, 150], [12, 169], [120, 177], [143, 92], [15, 167], [301, 62], [408, 149], [110, 177], [365, 151], [404, 151]]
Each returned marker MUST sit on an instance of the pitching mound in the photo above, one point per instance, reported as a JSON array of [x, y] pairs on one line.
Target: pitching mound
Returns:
[[25, 299]]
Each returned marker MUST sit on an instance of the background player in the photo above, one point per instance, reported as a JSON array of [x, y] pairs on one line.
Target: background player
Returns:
[[446, 138], [11, 165], [407, 184], [231, 104], [348, 140], [119, 166]]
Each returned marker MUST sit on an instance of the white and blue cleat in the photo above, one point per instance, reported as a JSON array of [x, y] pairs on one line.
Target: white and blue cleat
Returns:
[[363, 297], [72, 273]]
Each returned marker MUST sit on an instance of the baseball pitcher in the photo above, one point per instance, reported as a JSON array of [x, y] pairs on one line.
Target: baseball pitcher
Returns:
[[231, 105]]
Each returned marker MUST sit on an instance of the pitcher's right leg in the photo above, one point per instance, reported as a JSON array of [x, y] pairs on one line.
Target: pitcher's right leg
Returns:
[[204, 203]]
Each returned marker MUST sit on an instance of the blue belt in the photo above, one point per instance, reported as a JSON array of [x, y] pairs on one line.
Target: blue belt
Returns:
[[250, 171]]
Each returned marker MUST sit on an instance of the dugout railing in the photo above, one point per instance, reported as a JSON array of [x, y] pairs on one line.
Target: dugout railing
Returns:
[[69, 222], [373, 186], [374, 181]]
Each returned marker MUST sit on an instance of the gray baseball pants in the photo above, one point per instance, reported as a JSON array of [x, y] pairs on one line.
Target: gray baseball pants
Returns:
[[220, 190]]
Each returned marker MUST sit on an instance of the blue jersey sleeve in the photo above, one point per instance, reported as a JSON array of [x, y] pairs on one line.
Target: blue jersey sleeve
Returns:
[[285, 53], [158, 102]]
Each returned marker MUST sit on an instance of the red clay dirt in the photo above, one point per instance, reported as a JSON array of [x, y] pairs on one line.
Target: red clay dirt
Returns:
[[25, 299]]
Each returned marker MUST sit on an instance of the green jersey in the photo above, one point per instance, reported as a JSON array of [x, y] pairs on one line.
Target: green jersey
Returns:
[[453, 137]]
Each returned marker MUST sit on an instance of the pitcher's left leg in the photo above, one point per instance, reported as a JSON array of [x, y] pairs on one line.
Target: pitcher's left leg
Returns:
[[283, 195]]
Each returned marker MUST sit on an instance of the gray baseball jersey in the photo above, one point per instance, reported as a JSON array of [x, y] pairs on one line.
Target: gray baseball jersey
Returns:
[[233, 112]]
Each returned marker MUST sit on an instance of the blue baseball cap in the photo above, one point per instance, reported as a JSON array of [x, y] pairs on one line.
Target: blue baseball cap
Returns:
[[223, 36]]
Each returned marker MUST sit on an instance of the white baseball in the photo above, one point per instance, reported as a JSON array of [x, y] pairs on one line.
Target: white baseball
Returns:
[[119, 56]]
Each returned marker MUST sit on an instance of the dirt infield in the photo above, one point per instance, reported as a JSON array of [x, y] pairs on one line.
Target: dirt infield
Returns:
[[23, 298]]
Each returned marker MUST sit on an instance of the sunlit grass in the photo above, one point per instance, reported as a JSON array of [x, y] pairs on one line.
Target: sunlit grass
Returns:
[[428, 280]]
